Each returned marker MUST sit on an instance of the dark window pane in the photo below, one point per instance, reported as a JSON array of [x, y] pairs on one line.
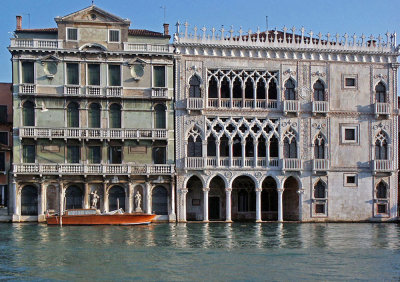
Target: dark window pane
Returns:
[[273, 147], [381, 191], [2, 161], [351, 179], [115, 116], [194, 90], [94, 154], [73, 115], [351, 82], [28, 114], [29, 153], [159, 76], [320, 208], [350, 134], [115, 155], [94, 74], [3, 114], [114, 75], [382, 208], [211, 147], [159, 116], [72, 73], [72, 34], [159, 155], [27, 72], [94, 115], [73, 154], [114, 35], [4, 138]]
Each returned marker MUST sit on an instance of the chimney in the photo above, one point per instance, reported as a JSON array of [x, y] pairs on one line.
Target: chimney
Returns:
[[19, 22], [166, 29]]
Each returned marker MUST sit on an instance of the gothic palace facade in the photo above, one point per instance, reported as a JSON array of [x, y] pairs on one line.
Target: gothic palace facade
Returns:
[[219, 125]]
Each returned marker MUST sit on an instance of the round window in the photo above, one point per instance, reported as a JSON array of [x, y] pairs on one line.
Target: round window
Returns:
[[137, 71], [50, 68]]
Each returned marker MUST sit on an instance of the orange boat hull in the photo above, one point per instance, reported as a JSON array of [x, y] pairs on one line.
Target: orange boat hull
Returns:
[[102, 219]]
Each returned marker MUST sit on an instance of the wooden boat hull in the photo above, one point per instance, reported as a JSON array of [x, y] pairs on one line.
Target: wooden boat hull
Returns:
[[102, 219]]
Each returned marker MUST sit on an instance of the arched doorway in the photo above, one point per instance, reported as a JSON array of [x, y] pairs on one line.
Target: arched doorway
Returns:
[[29, 200], [74, 197], [290, 199], [216, 199], [160, 200], [194, 199], [116, 198], [243, 199], [52, 199], [269, 199]]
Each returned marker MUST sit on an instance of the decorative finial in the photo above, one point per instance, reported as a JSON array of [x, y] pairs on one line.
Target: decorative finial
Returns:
[[92, 2]]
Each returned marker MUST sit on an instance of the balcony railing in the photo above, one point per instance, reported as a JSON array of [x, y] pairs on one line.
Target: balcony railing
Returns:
[[292, 164], [159, 93], [319, 107], [72, 90], [194, 162], [240, 103], [212, 162], [36, 43], [92, 169], [212, 102], [382, 109], [114, 91], [152, 48], [382, 165], [194, 103], [94, 91], [93, 133], [27, 88], [291, 106], [320, 165]]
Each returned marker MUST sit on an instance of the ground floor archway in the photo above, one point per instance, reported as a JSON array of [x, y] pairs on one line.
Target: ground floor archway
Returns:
[[290, 199], [194, 199], [159, 200], [243, 198], [269, 199], [29, 200], [116, 198], [74, 197], [217, 199]]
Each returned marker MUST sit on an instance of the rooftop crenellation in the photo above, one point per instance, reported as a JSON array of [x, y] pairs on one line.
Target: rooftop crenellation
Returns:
[[284, 38]]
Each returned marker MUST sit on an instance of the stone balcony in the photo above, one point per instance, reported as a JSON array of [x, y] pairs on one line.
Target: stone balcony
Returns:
[[382, 166], [194, 104], [27, 88], [159, 93], [291, 106], [381, 109], [241, 103], [320, 165], [92, 169], [292, 165], [200, 163], [93, 133], [320, 107]]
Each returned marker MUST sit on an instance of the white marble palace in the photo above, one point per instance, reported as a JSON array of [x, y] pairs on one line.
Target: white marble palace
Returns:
[[285, 125]]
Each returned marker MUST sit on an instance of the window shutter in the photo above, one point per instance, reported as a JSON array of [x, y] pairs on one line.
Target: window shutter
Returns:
[[94, 74], [159, 76]]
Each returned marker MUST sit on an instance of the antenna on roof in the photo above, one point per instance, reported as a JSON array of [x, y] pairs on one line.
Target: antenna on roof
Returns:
[[266, 23], [165, 8], [92, 2]]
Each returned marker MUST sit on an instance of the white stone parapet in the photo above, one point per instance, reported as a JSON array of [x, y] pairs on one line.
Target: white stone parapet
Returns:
[[284, 39], [36, 43], [93, 169], [93, 133]]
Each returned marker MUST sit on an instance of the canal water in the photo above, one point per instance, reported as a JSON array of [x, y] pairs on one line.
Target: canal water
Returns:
[[214, 251]]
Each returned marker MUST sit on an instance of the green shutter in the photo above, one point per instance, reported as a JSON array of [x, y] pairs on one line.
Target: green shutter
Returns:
[[28, 152], [27, 72], [115, 116], [72, 74], [159, 76], [94, 74], [114, 75], [94, 116]]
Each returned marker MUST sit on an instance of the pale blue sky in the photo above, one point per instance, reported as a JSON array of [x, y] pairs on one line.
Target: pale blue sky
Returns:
[[334, 16]]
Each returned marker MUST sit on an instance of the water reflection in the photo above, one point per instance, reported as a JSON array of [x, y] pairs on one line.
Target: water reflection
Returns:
[[40, 252]]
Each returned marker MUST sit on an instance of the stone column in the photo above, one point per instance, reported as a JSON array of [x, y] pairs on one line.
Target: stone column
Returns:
[[217, 151], [105, 197], [16, 200], [255, 144], [268, 144], [147, 206], [301, 193], [258, 204], [280, 205], [243, 143], [129, 205], [172, 215], [61, 195], [182, 208], [86, 198], [42, 199], [230, 142], [205, 204], [228, 205]]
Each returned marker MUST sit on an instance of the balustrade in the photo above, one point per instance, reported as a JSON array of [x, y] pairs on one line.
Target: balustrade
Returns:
[[159, 93], [93, 91], [27, 88], [320, 165], [382, 109], [292, 164], [194, 103], [320, 107], [114, 91], [36, 43], [72, 90], [382, 165], [291, 106]]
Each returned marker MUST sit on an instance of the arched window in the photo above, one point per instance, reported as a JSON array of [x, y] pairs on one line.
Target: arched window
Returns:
[[261, 147], [160, 200], [319, 190], [272, 90], [73, 114], [237, 146], [116, 199], [237, 89], [29, 200], [115, 116], [249, 89], [224, 146], [28, 114], [211, 146], [319, 91], [212, 88], [380, 93], [94, 115], [289, 90], [261, 89], [290, 148], [194, 89], [74, 197], [159, 116], [225, 88], [194, 148], [381, 147], [273, 147], [243, 201], [381, 190], [319, 147], [249, 149]]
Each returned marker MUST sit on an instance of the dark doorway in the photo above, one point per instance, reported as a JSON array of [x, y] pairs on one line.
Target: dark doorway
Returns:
[[74, 197], [29, 200], [213, 208]]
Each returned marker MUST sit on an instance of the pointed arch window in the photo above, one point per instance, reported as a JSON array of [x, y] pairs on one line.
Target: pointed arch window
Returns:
[[224, 146], [159, 116], [212, 88], [237, 146], [249, 149], [273, 147], [195, 144], [319, 91], [261, 147], [225, 88], [272, 90], [94, 115], [211, 146], [290, 93], [115, 116], [237, 89], [261, 89], [28, 114], [381, 191], [319, 190], [319, 147], [382, 198], [380, 93], [320, 198], [381, 146], [194, 87], [290, 145], [249, 89], [73, 114]]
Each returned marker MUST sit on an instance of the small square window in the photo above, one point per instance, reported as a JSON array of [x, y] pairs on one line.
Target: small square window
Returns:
[[113, 35], [350, 134], [320, 208], [381, 208], [4, 138], [72, 34], [350, 180], [350, 82]]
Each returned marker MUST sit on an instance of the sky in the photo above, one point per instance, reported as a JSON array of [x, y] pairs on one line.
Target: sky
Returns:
[[333, 16]]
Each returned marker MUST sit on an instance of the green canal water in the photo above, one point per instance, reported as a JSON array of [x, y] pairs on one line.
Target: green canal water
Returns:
[[215, 251]]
